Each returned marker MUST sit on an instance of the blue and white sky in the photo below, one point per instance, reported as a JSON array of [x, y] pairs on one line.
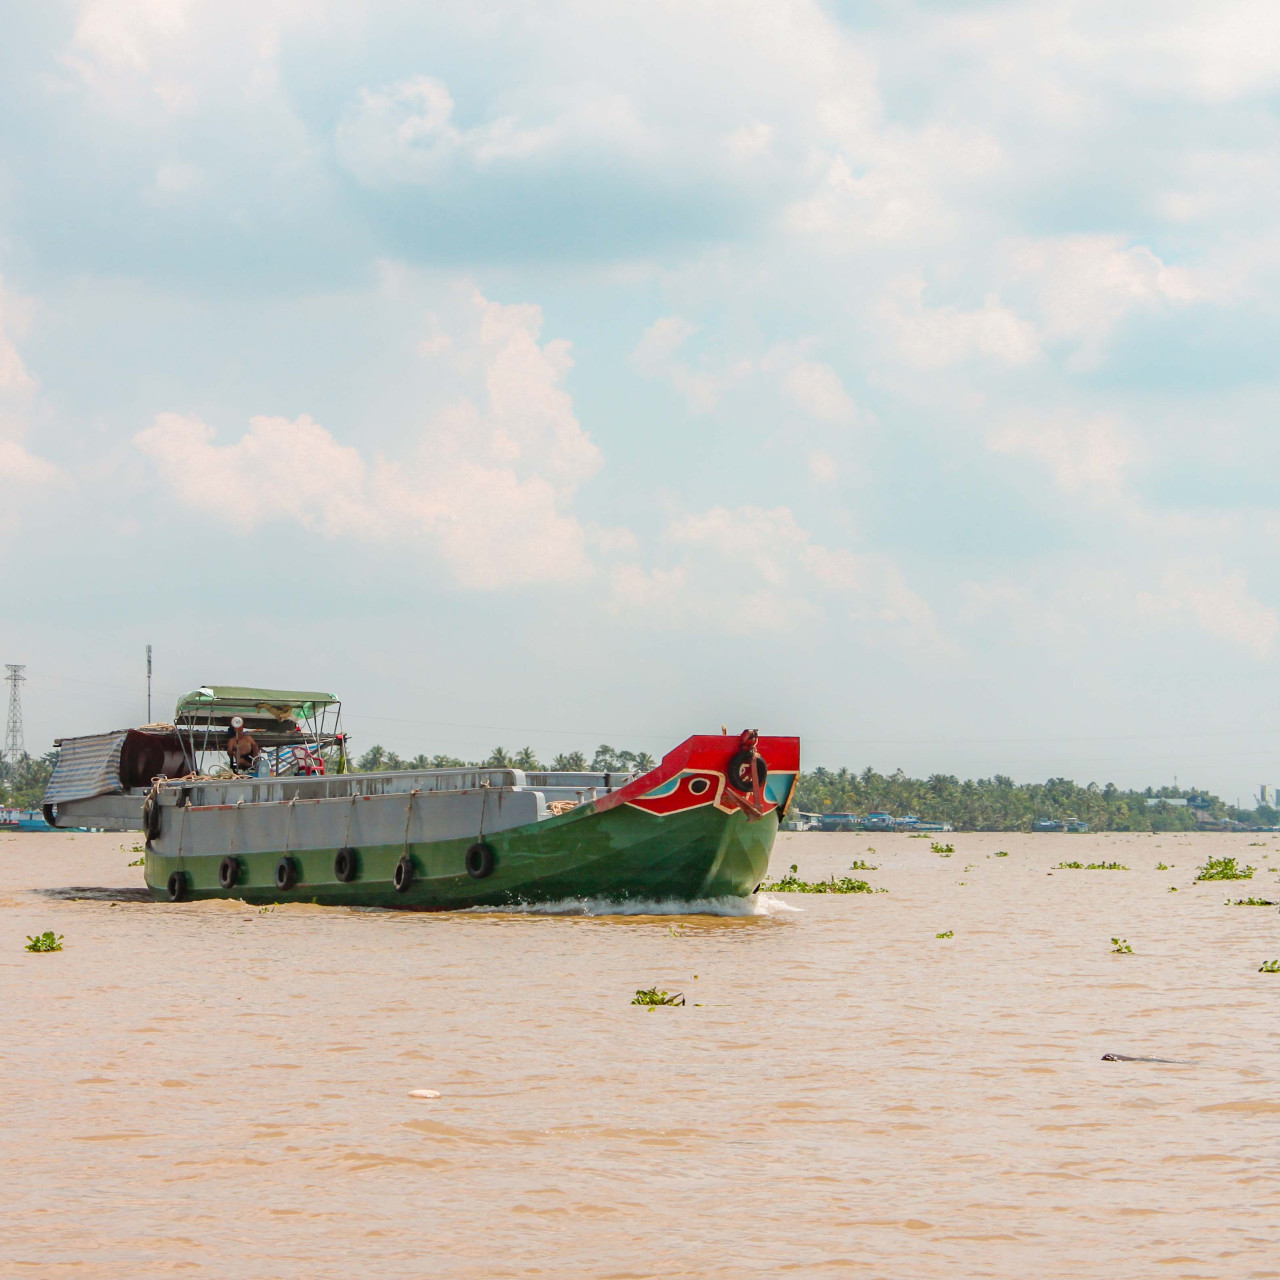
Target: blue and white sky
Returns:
[[897, 374]]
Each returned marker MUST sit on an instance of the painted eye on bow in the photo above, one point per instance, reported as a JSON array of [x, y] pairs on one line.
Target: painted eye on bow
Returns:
[[698, 786]]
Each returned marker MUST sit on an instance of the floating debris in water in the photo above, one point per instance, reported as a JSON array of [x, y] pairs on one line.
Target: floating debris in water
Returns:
[[1124, 1057], [424, 1093]]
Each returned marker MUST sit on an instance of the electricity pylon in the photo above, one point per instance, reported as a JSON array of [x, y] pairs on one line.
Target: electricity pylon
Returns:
[[14, 747]]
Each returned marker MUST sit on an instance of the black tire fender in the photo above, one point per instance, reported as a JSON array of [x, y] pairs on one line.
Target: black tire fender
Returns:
[[177, 886], [480, 860], [403, 876], [286, 873], [151, 819], [228, 872], [345, 865], [739, 772]]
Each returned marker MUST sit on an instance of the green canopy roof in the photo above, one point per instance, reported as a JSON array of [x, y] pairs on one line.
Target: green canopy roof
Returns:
[[235, 700]]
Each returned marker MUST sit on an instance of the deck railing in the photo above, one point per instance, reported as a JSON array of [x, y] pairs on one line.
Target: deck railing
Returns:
[[218, 791]]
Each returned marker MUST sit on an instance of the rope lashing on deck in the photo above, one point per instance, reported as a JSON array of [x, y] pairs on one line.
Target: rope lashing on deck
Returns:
[[750, 741], [408, 814]]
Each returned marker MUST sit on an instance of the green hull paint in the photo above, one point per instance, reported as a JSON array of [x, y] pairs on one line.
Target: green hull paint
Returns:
[[620, 853]]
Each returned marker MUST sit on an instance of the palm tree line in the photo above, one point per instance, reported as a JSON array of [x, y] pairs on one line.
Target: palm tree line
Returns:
[[1000, 804], [23, 780], [605, 760]]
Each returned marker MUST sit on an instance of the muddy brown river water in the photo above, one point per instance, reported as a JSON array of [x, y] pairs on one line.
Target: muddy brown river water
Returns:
[[211, 1090]]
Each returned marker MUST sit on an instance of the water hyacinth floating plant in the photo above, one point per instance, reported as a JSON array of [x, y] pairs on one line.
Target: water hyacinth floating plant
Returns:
[[652, 997], [1248, 902], [1269, 966], [1092, 866], [935, 847], [1121, 947], [1224, 869], [950, 933], [791, 883], [46, 941]]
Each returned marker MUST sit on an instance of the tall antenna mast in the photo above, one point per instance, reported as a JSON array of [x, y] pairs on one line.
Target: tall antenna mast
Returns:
[[148, 684], [14, 747]]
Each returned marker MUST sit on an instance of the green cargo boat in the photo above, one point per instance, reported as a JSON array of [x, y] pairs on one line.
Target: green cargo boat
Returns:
[[291, 823]]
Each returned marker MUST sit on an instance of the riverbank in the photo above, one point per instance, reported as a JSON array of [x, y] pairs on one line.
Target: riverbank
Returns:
[[217, 1090]]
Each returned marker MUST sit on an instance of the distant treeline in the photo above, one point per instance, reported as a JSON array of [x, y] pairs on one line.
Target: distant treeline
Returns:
[[22, 781], [606, 760], [1000, 804]]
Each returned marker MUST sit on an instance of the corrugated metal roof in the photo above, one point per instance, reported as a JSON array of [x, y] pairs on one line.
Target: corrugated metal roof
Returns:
[[87, 767]]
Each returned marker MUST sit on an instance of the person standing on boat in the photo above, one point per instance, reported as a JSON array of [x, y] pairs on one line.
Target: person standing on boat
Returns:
[[242, 749]]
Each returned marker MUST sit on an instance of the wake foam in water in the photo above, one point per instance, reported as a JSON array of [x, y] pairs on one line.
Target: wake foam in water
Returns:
[[758, 904]]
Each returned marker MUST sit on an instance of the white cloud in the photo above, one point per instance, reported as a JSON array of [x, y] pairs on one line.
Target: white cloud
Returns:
[[15, 381], [822, 467], [486, 484], [22, 473], [656, 356], [659, 343], [751, 141], [405, 132], [889, 185], [935, 337], [1091, 456], [1220, 603], [1088, 284], [127, 35], [878, 205], [758, 568], [278, 469], [185, 53], [24, 468], [178, 179], [1176, 48], [817, 389]]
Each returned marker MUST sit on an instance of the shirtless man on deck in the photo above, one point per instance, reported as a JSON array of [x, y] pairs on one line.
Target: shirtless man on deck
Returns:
[[242, 749]]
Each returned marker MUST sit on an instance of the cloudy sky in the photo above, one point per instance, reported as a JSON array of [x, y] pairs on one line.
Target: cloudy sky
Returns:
[[897, 374]]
